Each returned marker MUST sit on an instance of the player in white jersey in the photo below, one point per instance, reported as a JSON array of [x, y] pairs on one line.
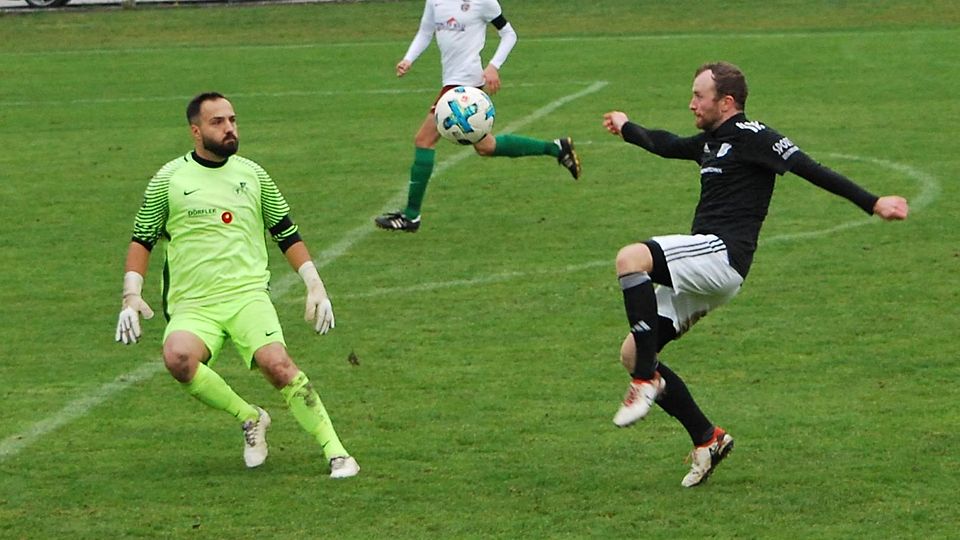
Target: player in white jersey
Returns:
[[460, 28], [212, 207]]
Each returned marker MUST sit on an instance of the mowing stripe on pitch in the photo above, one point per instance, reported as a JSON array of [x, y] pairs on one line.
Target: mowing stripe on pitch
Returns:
[[736, 36], [432, 90]]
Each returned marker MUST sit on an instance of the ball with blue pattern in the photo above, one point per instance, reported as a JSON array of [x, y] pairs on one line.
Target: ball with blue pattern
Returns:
[[464, 115]]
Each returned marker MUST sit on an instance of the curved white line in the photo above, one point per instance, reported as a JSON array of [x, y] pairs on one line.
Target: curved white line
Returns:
[[929, 191]]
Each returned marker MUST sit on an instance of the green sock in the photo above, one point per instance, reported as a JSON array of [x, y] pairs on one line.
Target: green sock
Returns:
[[420, 173], [208, 387], [305, 404], [518, 145]]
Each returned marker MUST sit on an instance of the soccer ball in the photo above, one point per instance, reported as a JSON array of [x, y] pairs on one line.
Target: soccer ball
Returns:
[[464, 114]]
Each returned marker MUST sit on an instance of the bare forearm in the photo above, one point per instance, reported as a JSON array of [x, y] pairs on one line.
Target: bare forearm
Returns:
[[297, 254], [138, 258]]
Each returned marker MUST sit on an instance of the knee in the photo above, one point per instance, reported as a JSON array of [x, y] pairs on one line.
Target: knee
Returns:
[[180, 363], [486, 146], [634, 258], [277, 367], [483, 150], [425, 140]]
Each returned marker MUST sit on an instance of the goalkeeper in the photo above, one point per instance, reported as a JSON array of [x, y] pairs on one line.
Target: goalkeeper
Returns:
[[212, 207]]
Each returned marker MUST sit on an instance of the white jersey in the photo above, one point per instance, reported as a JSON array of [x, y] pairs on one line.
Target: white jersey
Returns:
[[461, 30]]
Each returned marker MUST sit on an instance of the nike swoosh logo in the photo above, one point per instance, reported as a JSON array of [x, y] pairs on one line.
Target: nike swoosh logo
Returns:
[[271, 333], [185, 192]]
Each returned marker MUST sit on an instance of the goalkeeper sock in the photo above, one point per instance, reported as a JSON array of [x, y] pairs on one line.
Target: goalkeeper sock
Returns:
[[640, 302], [420, 173], [305, 404], [518, 145], [211, 390]]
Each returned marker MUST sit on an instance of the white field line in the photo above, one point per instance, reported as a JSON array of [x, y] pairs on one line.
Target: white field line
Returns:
[[358, 233], [929, 192], [14, 444], [77, 408]]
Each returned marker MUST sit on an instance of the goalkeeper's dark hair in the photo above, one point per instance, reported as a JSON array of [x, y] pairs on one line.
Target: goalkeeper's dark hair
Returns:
[[193, 108], [729, 81]]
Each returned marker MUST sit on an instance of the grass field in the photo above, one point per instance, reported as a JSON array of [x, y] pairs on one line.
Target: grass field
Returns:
[[488, 342]]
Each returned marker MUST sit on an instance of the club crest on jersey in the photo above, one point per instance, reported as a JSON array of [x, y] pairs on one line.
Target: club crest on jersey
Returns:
[[241, 189], [465, 6], [452, 25], [724, 149]]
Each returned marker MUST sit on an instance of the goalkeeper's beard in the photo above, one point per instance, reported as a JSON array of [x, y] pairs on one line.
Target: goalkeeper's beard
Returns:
[[224, 149]]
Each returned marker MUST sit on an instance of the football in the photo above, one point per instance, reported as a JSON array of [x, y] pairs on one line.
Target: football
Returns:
[[464, 115]]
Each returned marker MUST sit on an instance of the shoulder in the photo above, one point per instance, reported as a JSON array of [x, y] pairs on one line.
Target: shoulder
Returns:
[[248, 164], [755, 132], [764, 140], [172, 166], [488, 7]]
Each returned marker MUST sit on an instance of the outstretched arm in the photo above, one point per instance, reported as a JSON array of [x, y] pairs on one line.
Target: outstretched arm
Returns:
[[659, 142], [889, 208]]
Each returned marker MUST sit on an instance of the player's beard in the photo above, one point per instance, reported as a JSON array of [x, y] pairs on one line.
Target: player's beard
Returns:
[[225, 148]]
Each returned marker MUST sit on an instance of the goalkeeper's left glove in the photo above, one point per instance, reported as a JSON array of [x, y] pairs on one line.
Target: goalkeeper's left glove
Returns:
[[128, 327], [319, 309]]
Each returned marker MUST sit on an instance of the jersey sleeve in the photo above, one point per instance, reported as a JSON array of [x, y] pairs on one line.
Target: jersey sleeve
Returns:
[[663, 143], [772, 150], [151, 220], [423, 36], [276, 212], [490, 10]]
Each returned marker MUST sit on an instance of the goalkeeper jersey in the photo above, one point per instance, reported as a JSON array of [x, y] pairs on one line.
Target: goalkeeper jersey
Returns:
[[213, 216]]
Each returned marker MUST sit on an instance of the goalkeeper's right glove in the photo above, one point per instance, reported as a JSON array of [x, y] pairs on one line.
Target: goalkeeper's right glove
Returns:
[[128, 327]]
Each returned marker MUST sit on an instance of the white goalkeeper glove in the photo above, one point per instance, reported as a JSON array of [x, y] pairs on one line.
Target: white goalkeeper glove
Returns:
[[128, 327], [319, 309]]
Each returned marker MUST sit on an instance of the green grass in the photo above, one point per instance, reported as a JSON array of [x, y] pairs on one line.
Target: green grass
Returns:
[[488, 356]]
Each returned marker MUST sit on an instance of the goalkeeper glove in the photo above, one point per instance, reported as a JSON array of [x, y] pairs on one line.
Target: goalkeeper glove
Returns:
[[319, 308], [128, 327]]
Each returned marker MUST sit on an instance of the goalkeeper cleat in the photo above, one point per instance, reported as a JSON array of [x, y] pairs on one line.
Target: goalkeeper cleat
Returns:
[[707, 456], [568, 156], [396, 221], [640, 396], [255, 439], [343, 467]]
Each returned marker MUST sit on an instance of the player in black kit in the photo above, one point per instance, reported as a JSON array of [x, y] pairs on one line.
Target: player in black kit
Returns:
[[739, 160]]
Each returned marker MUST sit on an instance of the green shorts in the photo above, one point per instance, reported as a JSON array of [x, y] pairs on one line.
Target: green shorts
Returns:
[[249, 321]]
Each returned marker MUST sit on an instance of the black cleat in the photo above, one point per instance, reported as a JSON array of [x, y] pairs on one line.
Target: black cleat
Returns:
[[568, 156], [396, 221]]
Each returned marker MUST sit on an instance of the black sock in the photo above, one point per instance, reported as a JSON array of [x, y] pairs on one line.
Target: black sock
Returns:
[[641, 305], [665, 332], [678, 403]]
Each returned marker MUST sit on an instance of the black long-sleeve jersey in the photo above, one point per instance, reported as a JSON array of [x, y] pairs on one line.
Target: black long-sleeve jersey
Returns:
[[739, 162]]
